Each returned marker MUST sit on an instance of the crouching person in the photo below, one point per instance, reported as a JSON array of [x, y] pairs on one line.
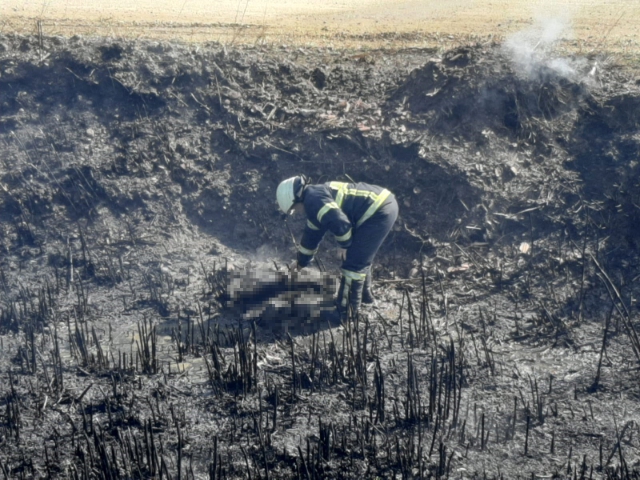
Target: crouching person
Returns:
[[359, 215]]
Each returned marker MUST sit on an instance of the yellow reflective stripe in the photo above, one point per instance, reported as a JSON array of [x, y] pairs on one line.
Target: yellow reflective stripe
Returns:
[[342, 188], [344, 237], [340, 196], [374, 207], [306, 251], [349, 275], [311, 225], [361, 193], [325, 209]]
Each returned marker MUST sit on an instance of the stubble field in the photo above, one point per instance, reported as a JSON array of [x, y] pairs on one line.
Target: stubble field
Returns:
[[590, 24]]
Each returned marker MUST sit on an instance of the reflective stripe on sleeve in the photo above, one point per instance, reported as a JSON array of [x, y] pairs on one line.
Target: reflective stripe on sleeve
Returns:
[[345, 237], [306, 251], [325, 209], [374, 207], [311, 225]]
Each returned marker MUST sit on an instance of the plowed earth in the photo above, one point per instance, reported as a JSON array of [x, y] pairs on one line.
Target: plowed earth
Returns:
[[138, 177]]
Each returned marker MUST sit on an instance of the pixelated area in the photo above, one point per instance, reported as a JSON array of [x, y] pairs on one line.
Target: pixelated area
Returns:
[[280, 299]]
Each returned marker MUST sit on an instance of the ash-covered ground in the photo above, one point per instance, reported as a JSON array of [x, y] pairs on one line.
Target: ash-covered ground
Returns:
[[137, 184]]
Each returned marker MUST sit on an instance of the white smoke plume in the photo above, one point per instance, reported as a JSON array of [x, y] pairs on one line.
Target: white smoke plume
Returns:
[[267, 257], [532, 51]]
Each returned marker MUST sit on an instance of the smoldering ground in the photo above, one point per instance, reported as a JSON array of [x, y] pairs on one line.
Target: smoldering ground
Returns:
[[137, 176]]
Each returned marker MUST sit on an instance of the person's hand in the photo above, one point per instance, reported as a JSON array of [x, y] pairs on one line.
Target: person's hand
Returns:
[[342, 253], [293, 266]]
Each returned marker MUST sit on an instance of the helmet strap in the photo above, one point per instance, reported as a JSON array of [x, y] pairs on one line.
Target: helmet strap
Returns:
[[303, 183]]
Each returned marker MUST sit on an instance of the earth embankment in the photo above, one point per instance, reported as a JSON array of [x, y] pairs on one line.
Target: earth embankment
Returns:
[[137, 175]]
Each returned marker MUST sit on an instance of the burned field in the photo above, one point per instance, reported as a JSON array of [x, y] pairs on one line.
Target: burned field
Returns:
[[150, 329]]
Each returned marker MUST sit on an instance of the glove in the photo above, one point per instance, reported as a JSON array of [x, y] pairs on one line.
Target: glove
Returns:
[[304, 260], [294, 266]]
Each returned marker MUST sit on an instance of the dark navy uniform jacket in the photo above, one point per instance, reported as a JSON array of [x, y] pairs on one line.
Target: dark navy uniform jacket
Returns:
[[339, 208]]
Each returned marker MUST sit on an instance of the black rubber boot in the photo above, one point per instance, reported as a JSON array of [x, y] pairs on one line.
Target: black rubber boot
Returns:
[[342, 301], [367, 294], [355, 299], [349, 296]]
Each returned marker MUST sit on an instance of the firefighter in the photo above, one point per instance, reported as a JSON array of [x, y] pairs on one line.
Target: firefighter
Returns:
[[359, 215]]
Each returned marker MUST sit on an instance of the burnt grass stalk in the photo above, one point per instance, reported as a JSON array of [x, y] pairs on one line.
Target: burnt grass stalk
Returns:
[[118, 364], [126, 445], [414, 434]]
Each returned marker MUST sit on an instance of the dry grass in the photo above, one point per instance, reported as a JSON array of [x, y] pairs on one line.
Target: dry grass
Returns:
[[589, 25]]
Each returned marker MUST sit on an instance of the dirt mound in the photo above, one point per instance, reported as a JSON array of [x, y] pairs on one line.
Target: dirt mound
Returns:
[[540, 126], [472, 90], [135, 176]]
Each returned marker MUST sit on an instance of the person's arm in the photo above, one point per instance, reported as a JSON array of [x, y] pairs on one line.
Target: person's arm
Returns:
[[311, 238], [332, 218], [323, 214]]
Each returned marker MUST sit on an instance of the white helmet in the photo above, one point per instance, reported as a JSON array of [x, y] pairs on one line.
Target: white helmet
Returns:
[[289, 191]]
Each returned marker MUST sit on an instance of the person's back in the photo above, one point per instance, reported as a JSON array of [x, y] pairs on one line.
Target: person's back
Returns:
[[353, 199]]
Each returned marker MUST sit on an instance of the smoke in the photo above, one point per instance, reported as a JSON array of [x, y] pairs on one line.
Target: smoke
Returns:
[[532, 51], [267, 257]]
